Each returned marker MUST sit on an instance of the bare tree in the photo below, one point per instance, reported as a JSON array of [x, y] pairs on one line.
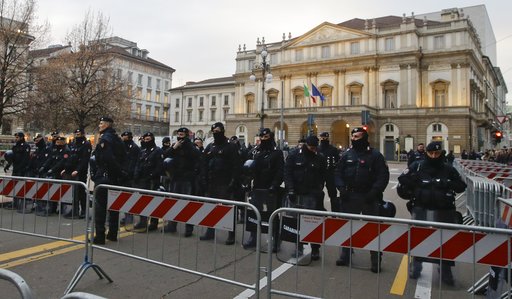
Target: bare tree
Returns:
[[17, 33]]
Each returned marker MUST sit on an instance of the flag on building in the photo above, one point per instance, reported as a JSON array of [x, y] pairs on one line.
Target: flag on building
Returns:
[[317, 93], [308, 95]]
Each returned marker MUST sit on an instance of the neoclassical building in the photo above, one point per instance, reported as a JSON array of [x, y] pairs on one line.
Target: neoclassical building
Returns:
[[419, 79]]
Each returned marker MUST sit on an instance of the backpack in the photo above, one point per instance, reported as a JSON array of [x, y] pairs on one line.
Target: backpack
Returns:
[[404, 192]]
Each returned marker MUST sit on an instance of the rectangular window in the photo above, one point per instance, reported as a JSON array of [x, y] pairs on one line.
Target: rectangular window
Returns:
[[138, 94], [157, 96], [130, 78], [439, 97], [437, 128], [158, 84], [251, 64], [177, 103], [201, 101], [390, 98], [139, 111], [226, 111], [299, 55], [299, 101], [214, 101], [389, 44], [148, 112], [354, 48], [177, 117], [129, 91], [165, 115], [119, 74], [139, 80], [166, 85], [166, 98], [200, 115], [273, 59], [439, 42], [226, 100], [355, 98], [157, 114], [148, 95], [326, 52], [212, 115], [149, 81], [390, 128], [189, 102], [189, 116]]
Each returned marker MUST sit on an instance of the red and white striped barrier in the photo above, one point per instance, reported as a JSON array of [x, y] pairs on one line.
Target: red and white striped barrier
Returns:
[[172, 209], [506, 215], [461, 246], [36, 190]]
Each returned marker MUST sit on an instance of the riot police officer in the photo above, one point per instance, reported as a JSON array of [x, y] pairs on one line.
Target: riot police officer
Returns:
[[361, 177], [183, 172], [109, 167], [220, 168], [305, 172], [20, 162], [418, 155], [147, 174], [166, 143], [132, 153], [267, 174], [431, 185], [76, 168], [332, 155]]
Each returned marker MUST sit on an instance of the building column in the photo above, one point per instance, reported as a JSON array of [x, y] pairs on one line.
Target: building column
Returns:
[[366, 87]]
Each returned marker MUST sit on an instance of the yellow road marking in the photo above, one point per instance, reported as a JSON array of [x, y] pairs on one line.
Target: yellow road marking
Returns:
[[32, 250], [398, 287], [40, 256]]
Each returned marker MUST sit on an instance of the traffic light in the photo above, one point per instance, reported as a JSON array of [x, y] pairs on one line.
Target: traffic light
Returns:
[[365, 127], [498, 135]]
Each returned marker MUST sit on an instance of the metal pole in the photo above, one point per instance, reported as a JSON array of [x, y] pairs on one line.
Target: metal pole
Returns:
[[262, 116], [281, 136]]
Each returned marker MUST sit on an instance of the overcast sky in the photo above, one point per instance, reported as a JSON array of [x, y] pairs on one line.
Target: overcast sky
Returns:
[[199, 39]]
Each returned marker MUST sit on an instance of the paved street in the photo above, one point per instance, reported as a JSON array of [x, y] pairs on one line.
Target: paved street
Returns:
[[49, 265]]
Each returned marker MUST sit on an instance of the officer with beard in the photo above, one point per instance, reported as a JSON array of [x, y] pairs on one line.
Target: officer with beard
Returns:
[[220, 169], [433, 185], [267, 174], [361, 177], [186, 163], [108, 168], [418, 155], [77, 167], [305, 172], [147, 175], [333, 156]]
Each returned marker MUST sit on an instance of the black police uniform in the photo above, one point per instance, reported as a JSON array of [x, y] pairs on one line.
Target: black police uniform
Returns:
[[333, 156], [132, 154], [108, 168], [147, 176], [38, 158], [433, 185], [267, 172], [220, 169], [416, 156], [20, 164], [305, 173], [80, 154], [361, 176], [182, 176]]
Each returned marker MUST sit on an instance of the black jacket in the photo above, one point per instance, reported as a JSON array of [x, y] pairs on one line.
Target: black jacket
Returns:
[[149, 165], [79, 160], [56, 162], [133, 154], [268, 169], [220, 164], [21, 159], [186, 161], [38, 158], [110, 158], [305, 172]]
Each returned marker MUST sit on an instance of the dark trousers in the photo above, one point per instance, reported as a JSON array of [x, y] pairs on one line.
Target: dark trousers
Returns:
[[100, 213], [182, 187]]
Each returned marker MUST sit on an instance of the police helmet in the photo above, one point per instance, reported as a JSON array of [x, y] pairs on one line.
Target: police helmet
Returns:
[[9, 156], [248, 167], [169, 164], [387, 209]]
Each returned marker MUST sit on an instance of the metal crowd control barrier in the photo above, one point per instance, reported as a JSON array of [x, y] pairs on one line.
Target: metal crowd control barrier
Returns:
[[20, 283], [481, 199], [199, 211], [432, 240]]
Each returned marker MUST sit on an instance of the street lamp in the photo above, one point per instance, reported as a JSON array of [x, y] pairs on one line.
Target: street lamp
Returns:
[[266, 77]]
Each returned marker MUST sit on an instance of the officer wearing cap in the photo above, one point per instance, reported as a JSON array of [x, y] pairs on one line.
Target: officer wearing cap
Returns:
[[305, 172], [220, 169], [147, 175], [20, 160], [132, 153], [76, 168], [39, 156], [267, 175], [432, 184], [361, 177], [166, 143], [333, 156], [182, 175], [110, 164]]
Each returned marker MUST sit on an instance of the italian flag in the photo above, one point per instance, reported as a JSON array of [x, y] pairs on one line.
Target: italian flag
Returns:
[[308, 95]]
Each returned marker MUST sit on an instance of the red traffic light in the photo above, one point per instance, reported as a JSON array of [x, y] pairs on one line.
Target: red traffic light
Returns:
[[498, 134], [365, 128]]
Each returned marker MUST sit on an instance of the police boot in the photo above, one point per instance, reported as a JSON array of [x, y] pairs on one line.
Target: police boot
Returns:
[[231, 238], [170, 227], [416, 268], [189, 228], [376, 259], [446, 275], [153, 225], [344, 259], [251, 242], [99, 238], [208, 235], [112, 236]]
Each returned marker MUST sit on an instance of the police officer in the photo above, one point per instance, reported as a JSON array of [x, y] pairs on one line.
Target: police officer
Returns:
[[132, 153], [20, 161], [147, 175], [220, 168], [199, 144], [186, 162], [166, 143], [361, 177], [333, 156], [38, 157], [305, 172], [418, 155], [267, 174], [432, 184], [108, 168]]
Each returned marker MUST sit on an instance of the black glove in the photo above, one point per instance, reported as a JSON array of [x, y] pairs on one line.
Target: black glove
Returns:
[[292, 197]]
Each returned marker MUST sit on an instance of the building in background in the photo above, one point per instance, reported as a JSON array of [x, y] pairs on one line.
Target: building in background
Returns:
[[408, 79], [198, 105]]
